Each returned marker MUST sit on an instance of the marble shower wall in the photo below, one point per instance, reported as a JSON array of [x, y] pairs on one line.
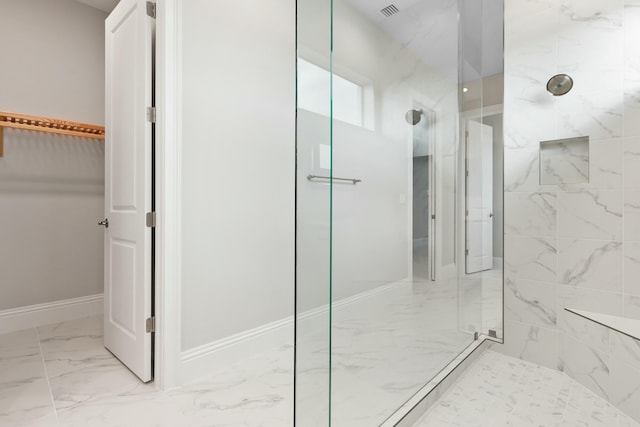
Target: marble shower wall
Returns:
[[573, 245]]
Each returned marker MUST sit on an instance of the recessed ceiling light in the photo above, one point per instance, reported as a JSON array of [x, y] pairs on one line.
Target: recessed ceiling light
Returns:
[[465, 89]]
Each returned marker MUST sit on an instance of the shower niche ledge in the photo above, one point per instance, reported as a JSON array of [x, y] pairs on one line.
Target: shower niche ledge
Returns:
[[624, 325]]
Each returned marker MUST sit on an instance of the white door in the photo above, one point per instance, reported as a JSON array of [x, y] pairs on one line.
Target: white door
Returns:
[[127, 287], [479, 197]]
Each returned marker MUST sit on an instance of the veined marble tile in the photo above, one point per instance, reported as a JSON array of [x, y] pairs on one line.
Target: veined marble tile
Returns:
[[530, 112], [531, 302], [24, 390], [532, 343], [384, 350], [531, 42], [47, 421], [588, 366], [589, 300], [146, 410], [530, 214], [524, 130], [73, 345], [258, 389], [625, 388], [632, 215], [590, 214], [92, 325], [632, 268], [24, 401], [83, 385], [591, 264], [584, 330], [564, 161], [531, 258], [592, 13], [19, 344], [517, 11], [626, 421], [632, 306], [631, 24], [589, 26], [592, 109], [632, 162], [21, 369], [625, 349], [521, 171], [606, 164]]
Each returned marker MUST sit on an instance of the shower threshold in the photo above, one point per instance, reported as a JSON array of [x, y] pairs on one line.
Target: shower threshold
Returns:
[[414, 408]]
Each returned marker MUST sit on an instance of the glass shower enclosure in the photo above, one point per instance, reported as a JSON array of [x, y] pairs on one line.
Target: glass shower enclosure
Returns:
[[384, 298]]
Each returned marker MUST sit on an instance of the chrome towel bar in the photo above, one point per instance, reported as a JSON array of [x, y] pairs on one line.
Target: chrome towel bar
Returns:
[[352, 180]]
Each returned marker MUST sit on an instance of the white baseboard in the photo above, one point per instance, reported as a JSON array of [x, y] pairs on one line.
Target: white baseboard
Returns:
[[32, 316], [208, 358]]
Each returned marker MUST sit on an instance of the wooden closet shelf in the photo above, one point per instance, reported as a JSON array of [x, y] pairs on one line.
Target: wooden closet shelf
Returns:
[[45, 124]]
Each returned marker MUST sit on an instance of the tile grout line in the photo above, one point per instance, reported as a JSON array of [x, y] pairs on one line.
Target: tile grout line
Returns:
[[46, 374]]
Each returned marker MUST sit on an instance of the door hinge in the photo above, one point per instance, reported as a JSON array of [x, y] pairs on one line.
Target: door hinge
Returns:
[[466, 251], [151, 324], [151, 114], [151, 219], [151, 9], [433, 216]]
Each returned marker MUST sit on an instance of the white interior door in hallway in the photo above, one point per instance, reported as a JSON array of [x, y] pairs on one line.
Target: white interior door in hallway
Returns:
[[128, 185], [479, 197]]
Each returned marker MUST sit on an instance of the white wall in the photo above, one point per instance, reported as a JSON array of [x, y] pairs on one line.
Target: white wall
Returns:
[[238, 166], [51, 187]]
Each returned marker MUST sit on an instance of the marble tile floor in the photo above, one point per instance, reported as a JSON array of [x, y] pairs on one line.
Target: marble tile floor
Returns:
[[384, 349], [62, 376], [498, 391]]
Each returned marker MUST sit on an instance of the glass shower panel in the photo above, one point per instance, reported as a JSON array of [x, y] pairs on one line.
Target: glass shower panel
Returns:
[[395, 295], [385, 295], [423, 185], [481, 79], [313, 212]]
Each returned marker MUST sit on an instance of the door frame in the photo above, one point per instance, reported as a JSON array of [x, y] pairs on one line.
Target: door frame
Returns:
[[430, 115], [167, 180]]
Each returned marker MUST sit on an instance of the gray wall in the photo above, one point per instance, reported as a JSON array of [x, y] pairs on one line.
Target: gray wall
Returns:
[[573, 245], [238, 166], [51, 187]]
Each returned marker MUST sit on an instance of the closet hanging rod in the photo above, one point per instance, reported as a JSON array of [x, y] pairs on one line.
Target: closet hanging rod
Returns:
[[45, 124]]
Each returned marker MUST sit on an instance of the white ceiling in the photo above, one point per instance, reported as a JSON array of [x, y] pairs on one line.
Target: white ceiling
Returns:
[[104, 5], [429, 28]]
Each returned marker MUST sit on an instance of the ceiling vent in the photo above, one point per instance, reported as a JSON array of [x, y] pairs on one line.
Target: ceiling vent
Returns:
[[390, 10]]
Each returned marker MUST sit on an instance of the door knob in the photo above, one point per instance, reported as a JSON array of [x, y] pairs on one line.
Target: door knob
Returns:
[[104, 222], [491, 215]]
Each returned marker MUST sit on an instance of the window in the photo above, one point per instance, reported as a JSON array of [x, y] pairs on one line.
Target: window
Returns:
[[313, 94]]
